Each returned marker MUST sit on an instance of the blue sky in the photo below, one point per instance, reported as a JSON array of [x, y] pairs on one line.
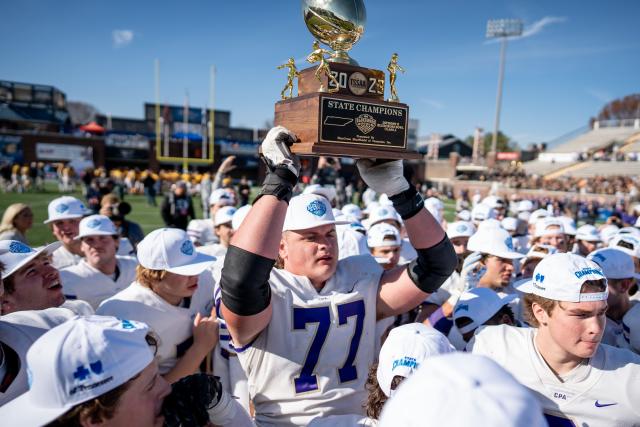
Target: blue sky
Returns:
[[580, 55]]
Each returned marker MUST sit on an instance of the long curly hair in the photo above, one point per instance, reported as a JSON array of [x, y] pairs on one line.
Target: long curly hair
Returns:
[[376, 397]]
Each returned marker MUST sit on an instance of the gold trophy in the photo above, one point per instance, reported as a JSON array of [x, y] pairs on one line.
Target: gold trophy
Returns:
[[340, 108]]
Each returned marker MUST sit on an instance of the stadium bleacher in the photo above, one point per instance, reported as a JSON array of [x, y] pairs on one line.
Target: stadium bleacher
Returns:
[[595, 139]]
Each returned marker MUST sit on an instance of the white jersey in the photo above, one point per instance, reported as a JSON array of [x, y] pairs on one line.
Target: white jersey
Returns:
[[214, 250], [613, 330], [87, 283], [313, 358], [171, 325], [200, 231], [352, 420], [603, 392], [62, 258], [407, 252], [350, 242], [18, 331]]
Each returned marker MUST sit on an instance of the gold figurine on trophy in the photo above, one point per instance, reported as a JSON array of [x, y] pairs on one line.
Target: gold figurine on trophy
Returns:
[[293, 73], [318, 55], [393, 67]]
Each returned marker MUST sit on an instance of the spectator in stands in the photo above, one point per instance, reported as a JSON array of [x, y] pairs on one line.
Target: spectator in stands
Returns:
[[17, 219]]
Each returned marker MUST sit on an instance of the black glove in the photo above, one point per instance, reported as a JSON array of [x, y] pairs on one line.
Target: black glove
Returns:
[[190, 399]]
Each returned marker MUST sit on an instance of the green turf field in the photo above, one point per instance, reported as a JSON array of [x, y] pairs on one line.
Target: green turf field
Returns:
[[147, 216]]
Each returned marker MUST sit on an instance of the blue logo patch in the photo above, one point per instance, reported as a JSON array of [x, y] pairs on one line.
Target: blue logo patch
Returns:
[[62, 207], [460, 228], [599, 257], [96, 367], [94, 223], [317, 208], [81, 373], [127, 324], [509, 243], [383, 212], [539, 278], [588, 270], [187, 247], [19, 248], [405, 361]]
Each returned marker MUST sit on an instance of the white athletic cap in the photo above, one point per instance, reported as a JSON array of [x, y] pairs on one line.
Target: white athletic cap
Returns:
[[494, 202], [170, 249], [543, 227], [326, 191], [630, 337], [460, 229], [626, 243], [524, 206], [493, 241], [481, 212], [308, 211], [383, 234], [65, 207], [479, 305], [615, 264], [224, 215], [370, 207], [353, 210], [607, 232], [222, 197], [588, 233], [509, 223], [560, 277], [524, 216], [630, 230], [382, 213], [405, 350], [568, 225], [14, 254], [239, 216], [464, 215], [460, 389], [384, 200], [537, 214], [96, 225], [79, 360], [434, 202]]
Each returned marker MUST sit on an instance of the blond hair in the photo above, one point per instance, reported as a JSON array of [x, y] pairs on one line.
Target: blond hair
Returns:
[[10, 215], [148, 277]]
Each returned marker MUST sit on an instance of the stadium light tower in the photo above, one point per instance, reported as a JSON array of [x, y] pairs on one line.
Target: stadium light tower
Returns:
[[503, 29]]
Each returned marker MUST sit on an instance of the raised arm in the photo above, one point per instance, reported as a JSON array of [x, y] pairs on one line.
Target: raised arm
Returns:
[[246, 296], [404, 287]]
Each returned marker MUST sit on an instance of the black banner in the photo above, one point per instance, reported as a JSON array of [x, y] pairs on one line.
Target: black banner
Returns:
[[363, 123]]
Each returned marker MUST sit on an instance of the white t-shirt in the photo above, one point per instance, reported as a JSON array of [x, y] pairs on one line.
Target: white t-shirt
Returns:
[[18, 331], [603, 392], [62, 258], [313, 358], [89, 284], [171, 325]]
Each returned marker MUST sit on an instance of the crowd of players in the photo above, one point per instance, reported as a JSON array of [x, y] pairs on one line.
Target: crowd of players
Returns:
[[307, 314]]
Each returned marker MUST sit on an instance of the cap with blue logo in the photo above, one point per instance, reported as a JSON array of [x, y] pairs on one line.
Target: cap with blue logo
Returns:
[[460, 229], [493, 241], [224, 215], [308, 211], [405, 349], [65, 207], [96, 225], [77, 361], [560, 277], [615, 264], [383, 213], [383, 234], [171, 249], [14, 255]]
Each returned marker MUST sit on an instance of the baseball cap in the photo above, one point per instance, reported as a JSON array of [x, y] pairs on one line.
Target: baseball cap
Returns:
[[14, 255], [607, 232], [630, 337], [494, 202], [560, 277], [464, 215], [352, 210], [460, 229], [308, 211], [222, 197], [326, 191], [524, 206], [65, 207], [493, 241], [79, 360], [434, 203], [626, 243], [384, 200], [479, 305], [96, 225], [383, 234], [630, 230], [455, 389], [538, 214], [568, 225], [405, 350], [382, 213], [509, 223], [614, 263], [588, 233], [224, 215], [481, 212], [239, 216], [170, 249], [543, 226]]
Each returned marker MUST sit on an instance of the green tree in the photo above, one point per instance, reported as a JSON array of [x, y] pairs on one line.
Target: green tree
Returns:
[[504, 142]]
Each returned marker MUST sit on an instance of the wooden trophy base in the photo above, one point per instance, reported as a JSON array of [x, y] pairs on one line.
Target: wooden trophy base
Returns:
[[355, 121]]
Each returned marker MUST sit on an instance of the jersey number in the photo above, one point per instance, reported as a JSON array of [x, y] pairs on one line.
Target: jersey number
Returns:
[[307, 381]]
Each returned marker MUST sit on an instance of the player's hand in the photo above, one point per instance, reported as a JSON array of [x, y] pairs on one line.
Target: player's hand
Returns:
[[472, 270], [383, 176], [227, 164], [205, 331], [276, 152]]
